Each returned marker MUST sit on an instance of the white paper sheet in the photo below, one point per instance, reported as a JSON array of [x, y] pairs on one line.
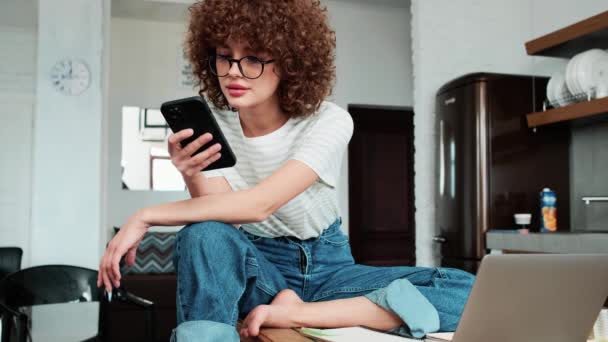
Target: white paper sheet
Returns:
[[352, 334], [445, 336]]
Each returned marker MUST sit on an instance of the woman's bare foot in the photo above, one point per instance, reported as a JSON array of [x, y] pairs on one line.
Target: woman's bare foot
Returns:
[[277, 314]]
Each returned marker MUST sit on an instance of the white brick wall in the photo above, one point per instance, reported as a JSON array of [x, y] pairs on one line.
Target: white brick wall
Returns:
[[17, 96], [67, 188]]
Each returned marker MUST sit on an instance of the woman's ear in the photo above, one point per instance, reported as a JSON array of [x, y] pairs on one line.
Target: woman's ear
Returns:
[[277, 71]]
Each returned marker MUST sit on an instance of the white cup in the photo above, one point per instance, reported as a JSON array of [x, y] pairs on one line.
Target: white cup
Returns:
[[600, 328], [522, 218]]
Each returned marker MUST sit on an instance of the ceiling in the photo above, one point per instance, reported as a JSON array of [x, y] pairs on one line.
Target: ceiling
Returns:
[[177, 10], [172, 11], [19, 13], [23, 13]]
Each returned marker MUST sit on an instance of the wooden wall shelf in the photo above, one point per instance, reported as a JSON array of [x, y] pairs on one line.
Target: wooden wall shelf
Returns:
[[576, 111], [571, 40], [586, 34]]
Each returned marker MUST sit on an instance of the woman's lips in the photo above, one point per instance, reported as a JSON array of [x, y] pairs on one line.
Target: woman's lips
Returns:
[[236, 92]]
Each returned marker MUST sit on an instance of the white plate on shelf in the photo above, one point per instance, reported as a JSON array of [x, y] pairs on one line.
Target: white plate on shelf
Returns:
[[550, 87], [603, 87], [557, 91], [571, 74], [591, 70], [600, 76]]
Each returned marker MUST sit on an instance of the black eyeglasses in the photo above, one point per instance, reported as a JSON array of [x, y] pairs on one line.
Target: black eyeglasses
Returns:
[[250, 67]]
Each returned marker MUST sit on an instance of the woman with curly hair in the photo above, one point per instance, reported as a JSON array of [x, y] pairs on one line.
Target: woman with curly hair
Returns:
[[262, 241]]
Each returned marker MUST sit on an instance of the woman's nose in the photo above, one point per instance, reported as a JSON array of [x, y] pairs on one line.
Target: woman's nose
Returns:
[[234, 70]]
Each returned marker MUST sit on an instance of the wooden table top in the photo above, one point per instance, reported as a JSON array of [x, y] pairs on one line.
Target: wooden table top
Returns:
[[277, 335]]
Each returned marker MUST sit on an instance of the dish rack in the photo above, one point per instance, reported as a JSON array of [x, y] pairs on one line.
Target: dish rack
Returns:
[[570, 99]]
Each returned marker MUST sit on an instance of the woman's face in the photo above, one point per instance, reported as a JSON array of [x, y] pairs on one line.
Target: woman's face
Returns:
[[242, 92]]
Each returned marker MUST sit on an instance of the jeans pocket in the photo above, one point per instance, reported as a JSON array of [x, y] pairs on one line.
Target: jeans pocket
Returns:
[[334, 236]]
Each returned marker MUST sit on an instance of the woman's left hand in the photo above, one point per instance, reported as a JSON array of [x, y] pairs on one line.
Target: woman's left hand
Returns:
[[124, 242]]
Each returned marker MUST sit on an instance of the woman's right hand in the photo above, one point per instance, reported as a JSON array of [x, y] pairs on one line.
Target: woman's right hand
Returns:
[[182, 158]]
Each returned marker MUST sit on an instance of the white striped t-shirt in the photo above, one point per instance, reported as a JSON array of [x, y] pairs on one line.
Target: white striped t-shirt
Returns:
[[318, 141]]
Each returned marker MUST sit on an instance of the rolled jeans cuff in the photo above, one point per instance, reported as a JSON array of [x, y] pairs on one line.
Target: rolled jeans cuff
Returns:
[[404, 299], [204, 331]]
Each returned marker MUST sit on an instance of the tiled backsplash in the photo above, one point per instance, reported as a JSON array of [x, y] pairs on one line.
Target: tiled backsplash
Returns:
[[589, 160]]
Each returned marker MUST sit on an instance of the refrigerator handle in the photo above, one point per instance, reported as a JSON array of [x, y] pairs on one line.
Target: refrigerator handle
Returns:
[[439, 239]]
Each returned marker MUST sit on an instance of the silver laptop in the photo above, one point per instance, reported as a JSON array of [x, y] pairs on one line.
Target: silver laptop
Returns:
[[535, 297]]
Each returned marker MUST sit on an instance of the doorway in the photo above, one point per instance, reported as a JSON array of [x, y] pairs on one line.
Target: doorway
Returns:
[[381, 185]]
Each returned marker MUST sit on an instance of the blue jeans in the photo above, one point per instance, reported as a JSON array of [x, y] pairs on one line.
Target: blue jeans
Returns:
[[224, 272]]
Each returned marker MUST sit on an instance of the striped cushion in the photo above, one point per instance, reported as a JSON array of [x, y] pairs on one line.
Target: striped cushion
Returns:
[[154, 254]]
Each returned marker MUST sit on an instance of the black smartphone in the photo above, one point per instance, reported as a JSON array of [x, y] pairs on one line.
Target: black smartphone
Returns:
[[193, 112]]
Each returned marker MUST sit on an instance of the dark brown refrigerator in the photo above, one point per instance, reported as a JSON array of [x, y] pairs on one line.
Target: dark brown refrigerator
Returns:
[[490, 165]]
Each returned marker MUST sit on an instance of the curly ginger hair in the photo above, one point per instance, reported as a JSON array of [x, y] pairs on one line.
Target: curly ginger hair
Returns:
[[295, 33]]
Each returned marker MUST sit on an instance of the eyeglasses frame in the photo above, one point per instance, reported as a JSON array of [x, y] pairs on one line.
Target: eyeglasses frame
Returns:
[[213, 59]]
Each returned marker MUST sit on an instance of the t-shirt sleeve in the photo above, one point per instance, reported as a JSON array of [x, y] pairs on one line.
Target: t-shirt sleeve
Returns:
[[325, 143]]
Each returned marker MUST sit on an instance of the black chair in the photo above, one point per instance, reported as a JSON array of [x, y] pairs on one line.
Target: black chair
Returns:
[[10, 260], [52, 284]]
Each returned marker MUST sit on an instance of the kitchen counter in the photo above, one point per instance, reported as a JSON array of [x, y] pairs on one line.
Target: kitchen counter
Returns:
[[574, 242]]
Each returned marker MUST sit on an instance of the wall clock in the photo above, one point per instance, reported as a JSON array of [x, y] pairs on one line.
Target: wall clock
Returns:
[[70, 76]]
